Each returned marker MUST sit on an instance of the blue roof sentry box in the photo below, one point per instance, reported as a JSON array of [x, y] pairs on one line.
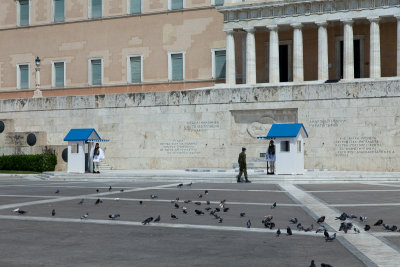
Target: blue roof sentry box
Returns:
[[88, 135], [286, 130]]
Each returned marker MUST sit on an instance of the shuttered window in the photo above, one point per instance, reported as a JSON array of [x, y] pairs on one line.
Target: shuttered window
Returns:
[[59, 74], [176, 4], [23, 76], [135, 6], [177, 67], [96, 68], [23, 12], [136, 69], [97, 8], [219, 2], [59, 6], [220, 61]]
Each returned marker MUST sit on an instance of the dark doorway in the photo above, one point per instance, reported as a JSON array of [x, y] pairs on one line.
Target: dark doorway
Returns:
[[357, 58], [283, 63]]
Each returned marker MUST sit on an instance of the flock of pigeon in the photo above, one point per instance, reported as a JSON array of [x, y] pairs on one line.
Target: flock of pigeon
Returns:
[[216, 212]]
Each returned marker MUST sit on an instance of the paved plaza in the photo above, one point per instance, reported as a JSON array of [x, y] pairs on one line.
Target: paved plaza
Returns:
[[37, 238]]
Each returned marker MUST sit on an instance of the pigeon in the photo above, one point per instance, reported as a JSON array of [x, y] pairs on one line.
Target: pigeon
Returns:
[[226, 209], [379, 222], [184, 211], [326, 234], [342, 217], [288, 231], [267, 218], [97, 190], [58, 191], [248, 224], [351, 216], [320, 229], [208, 202], [190, 184], [273, 205], [216, 216], [321, 220], [393, 228], [308, 229], [206, 192], [345, 227], [153, 196], [179, 185], [363, 218], [177, 199], [53, 212], [187, 201], [157, 219], [19, 211], [110, 188], [140, 202], [293, 220], [299, 227], [217, 209], [312, 264], [85, 216], [198, 212], [242, 214], [81, 202], [176, 206], [278, 232], [122, 190], [386, 226], [356, 230], [173, 216], [147, 221], [269, 225], [113, 216], [220, 220], [367, 227], [208, 209], [200, 195], [98, 201], [325, 265], [331, 238], [197, 203]]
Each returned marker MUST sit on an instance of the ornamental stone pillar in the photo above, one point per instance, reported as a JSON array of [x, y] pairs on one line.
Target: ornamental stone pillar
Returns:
[[273, 54], [323, 70], [230, 58], [348, 53], [398, 45], [250, 56], [375, 49], [298, 66]]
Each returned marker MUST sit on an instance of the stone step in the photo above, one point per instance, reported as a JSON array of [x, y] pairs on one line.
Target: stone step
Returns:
[[104, 166]]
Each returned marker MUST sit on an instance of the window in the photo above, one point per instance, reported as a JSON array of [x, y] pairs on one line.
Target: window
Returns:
[[59, 7], [135, 6], [23, 76], [75, 149], [218, 2], [58, 74], [96, 9], [175, 4], [135, 69], [96, 72], [176, 67], [23, 11], [299, 146], [219, 62], [285, 146]]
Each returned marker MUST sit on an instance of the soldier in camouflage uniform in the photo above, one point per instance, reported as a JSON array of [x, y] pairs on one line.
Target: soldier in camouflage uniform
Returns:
[[242, 166]]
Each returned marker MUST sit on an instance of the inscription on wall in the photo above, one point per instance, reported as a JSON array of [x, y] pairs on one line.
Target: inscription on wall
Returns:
[[323, 123], [355, 145], [197, 126], [179, 147]]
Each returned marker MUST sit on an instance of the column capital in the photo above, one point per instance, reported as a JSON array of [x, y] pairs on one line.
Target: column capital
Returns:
[[296, 25], [229, 31], [397, 17], [273, 27], [347, 21], [249, 29], [374, 19], [322, 23]]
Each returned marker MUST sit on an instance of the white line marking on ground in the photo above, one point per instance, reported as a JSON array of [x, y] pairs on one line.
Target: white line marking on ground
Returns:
[[46, 201], [353, 191], [364, 205], [25, 196], [226, 189], [373, 248]]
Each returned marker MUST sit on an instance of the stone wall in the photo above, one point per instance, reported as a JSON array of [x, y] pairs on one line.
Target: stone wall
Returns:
[[351, 126]]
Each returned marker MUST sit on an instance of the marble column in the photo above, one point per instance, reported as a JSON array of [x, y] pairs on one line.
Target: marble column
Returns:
[[375, 49], [298, 65], [398, 45], [243, 37], [273, 54], [230, 58], [348, 53], [250, 56], [323, 70]]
